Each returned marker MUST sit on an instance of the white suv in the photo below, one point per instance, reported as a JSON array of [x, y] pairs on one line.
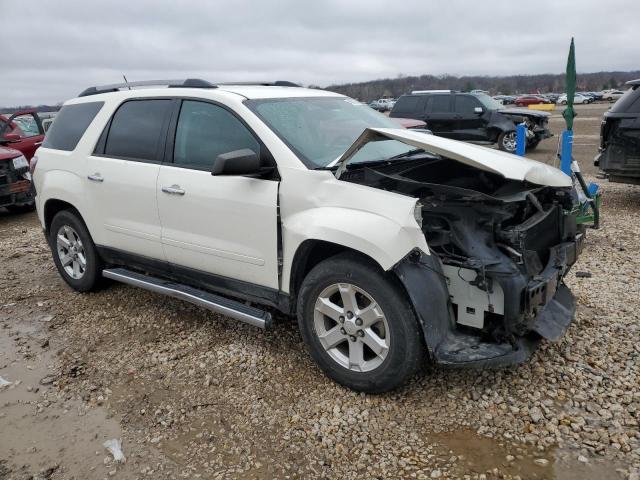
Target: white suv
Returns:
[[388, 245]]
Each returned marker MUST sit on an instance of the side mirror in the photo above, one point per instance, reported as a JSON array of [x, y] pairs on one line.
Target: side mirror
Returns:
[[11, 137], [478, 110], [238, 162]]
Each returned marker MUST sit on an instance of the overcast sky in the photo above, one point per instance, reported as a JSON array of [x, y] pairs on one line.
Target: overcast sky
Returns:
[[53, 49]]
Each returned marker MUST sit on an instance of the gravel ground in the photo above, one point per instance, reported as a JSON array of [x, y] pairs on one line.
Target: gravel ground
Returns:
[[194, 395]]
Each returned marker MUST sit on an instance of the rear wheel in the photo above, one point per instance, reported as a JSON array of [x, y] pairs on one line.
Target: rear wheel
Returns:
[[507, 141], [74, 252], [358, 325]]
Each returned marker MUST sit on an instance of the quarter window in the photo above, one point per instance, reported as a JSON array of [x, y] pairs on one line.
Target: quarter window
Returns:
[[137, 129], [71, 123], [410, 104], [205, 131]]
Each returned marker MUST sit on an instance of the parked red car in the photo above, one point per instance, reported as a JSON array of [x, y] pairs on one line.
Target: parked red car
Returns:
[[410, 123], [16, 191], [526, 100], [22, 131]]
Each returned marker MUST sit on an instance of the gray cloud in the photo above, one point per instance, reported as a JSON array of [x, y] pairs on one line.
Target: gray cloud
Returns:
[[60, 47]]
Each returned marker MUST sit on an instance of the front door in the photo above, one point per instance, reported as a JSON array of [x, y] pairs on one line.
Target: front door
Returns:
[[470, 122], [122, 175], [225, 226]]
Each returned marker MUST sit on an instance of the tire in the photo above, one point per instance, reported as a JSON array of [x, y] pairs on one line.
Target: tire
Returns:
[[393, 328], [81, 276], [26, 208], [507, 141]]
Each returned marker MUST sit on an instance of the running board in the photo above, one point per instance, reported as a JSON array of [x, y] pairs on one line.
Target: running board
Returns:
[[215, 303]]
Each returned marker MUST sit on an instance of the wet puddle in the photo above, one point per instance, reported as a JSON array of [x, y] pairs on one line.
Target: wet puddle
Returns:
[[477, 454]]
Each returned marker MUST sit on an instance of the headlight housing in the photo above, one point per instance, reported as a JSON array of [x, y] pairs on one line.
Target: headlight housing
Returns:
[[417, 213], [20, 162]]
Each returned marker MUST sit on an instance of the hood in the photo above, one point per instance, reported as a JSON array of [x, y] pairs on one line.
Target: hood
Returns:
[[524, 111], [8, 153], [508, 165]]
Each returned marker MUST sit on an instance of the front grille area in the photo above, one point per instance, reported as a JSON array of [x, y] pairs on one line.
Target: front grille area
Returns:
[[534, 238]]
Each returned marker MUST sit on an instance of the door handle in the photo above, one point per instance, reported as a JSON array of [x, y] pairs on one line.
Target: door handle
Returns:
[[96, 177], [173, 190]]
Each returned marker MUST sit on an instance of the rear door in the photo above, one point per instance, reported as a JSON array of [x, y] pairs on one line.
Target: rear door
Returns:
[[439, 115], [223, 226], [470, 125], [122, 175]]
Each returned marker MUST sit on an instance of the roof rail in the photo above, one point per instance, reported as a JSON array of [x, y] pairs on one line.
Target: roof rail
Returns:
[[188, 83], [421, 92], [633, 83], [277, 83]]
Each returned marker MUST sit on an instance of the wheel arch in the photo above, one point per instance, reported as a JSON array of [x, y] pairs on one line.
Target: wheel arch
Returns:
[[309, 254], [52, 207]]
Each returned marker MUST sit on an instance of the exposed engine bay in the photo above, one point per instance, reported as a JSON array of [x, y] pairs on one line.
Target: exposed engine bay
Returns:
[[503, 245]]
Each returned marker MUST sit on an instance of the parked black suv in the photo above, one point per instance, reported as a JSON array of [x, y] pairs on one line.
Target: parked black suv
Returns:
[[473, 117], [619, 155]]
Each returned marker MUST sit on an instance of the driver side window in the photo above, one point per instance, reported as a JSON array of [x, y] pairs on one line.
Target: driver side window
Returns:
[[205, 131], [465, 104]]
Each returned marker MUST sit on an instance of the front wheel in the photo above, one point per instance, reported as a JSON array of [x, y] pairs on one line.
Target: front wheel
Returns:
[[358, 325], [507, 141]]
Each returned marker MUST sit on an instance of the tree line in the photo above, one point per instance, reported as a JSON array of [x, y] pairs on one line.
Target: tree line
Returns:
[[508, 85]]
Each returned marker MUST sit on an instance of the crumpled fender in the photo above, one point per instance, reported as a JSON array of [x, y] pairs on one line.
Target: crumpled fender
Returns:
[[425, 283], [504, 123], [376, 236], [316, 206]]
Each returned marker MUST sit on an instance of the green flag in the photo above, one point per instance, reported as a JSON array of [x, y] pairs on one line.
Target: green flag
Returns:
[[569, 113]]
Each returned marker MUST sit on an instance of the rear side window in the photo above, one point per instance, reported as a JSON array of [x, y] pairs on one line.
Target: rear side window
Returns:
[[410, 104], [71, 123], [205, 131], [137, 129], [439, 104]]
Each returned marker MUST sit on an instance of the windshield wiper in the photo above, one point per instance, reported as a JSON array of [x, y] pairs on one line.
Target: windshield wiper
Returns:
[[410, 153]]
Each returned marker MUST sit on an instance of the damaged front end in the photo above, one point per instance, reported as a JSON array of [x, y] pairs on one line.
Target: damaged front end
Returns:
[[491, 285]]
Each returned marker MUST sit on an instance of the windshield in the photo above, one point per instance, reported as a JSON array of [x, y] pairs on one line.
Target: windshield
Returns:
[[320, 129], [488, 102]]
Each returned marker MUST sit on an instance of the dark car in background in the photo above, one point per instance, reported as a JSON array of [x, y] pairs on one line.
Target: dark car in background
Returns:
[[619, 155], [22, 131], [472, 117]]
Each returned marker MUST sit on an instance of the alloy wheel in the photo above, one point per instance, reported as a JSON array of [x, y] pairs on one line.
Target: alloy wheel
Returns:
[[71, 252], [509, 141], [351, 327]]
